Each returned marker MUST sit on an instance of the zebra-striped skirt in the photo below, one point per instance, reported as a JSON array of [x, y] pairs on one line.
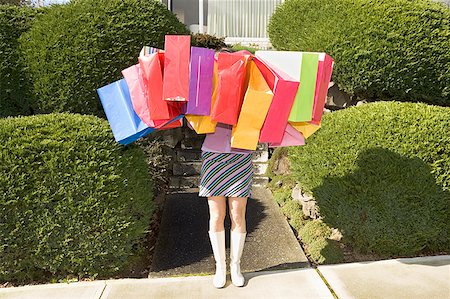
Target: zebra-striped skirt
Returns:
[[226, 174]]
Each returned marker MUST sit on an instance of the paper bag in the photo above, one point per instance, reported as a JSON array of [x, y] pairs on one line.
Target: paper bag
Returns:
[[232, 69], [256, 104], [176, 68], [284, 89]]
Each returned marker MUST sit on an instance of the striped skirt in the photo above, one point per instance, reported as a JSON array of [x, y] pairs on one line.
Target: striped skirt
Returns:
[[226, 174]]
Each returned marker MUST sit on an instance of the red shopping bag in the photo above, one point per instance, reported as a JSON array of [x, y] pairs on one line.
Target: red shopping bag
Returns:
[[231, 86], [284, 89], [176, 68], [151, 64]]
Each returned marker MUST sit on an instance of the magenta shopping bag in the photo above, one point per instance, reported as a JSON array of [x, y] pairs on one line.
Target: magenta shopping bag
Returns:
[[201, 81]]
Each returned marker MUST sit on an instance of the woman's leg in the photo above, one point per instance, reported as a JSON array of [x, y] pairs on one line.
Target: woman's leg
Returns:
[[217, 210], [237, 237]]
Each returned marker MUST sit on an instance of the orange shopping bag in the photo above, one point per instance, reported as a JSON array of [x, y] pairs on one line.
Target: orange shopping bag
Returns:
[[257, 99]]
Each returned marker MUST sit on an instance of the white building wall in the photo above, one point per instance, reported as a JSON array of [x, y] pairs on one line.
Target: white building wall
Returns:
[[240, 18]]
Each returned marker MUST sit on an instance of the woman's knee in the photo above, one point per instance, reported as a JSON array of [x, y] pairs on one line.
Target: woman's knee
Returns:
[[237, 212]]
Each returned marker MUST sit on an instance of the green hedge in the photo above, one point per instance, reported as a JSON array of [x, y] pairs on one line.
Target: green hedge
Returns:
[[13, 87], [76, 48], [208, 41], [72, 200], [383, 49], [380, 173]]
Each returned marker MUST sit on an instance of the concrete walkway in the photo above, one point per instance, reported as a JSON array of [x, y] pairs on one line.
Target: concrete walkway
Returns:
[[415, 278], [184, 248]]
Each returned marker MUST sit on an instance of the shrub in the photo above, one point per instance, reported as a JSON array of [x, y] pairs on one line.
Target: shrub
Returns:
[[208, 41], [383, 49], [72, 200], [13, 87], [380, 173], [292, 209], [76, 48], [314, 230], [325, 251]]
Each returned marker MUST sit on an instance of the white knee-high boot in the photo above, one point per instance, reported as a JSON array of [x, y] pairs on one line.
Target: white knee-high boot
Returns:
[[237, 241], [218, 246]]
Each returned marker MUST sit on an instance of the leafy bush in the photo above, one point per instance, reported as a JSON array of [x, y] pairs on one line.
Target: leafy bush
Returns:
[[208, 41], [325, 251], [76, 48], [383, 49], [72, 201], [292, 209], [380, 173], [13, 87], [314, 230]]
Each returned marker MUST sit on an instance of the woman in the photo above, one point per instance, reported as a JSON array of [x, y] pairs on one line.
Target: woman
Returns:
[[226, 172]]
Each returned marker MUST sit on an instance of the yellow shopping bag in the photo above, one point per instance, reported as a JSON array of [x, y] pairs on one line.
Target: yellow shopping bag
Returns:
[[307, 129], [257, 99], [204, 124]]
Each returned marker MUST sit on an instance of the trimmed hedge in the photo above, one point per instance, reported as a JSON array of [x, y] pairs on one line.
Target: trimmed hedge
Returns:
[[76, 48], [208, 41], [13, 87], [72, 200], [383, 49], [380, 173]]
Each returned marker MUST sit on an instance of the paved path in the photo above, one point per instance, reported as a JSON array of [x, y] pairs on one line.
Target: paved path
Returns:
[[184, 247]]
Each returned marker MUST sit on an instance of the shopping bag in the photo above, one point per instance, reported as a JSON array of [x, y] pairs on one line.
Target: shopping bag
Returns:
[[220, 140], [232, 68], [302, 109], [257, 99], [124, 122], [313, 70], [291, 137], [284, 89], [151, 63], [201, 81], [134, 81], [203, 124], [176, 68], [323, 80], [306, 128]]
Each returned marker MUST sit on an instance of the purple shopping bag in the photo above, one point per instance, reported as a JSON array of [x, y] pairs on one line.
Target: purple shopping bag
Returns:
[[201, 81]]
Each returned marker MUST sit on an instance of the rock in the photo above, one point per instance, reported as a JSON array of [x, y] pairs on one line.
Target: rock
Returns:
[[172, 137], [261, 156], [189, 155], [260, 169], [360, 103], [186, 168], [192, 143], [335, 235], [260, 181], [309, 209], [296, 193], [189, 182], [282, 166], [337, 99], [279, 184]]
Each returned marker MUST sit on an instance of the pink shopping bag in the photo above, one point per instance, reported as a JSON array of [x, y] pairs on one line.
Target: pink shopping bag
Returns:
[[284, 89]]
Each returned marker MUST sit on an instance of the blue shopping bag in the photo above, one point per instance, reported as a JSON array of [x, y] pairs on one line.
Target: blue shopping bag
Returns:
[[125, 123]]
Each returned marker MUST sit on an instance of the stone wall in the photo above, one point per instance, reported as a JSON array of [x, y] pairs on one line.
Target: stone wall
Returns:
[[183, 145]]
